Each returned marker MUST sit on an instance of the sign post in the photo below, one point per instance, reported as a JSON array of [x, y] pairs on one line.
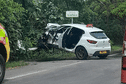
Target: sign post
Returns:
[[72, 14]]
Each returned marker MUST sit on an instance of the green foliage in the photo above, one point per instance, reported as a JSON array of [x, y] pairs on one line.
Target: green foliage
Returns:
[[10, 16], [26, 20], [116, 48], [105, 19], [43, 55], [120, 10], [10, 11], [33, 22], [36, 19]]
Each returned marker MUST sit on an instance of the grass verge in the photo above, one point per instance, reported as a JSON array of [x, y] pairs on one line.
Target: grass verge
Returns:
[[15, 64], [116, 48]]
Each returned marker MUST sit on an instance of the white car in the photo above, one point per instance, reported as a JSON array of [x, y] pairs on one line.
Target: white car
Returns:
[[83, 40]]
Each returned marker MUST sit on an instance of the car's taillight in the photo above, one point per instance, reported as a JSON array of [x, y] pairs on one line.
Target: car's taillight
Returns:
[[91, 41]]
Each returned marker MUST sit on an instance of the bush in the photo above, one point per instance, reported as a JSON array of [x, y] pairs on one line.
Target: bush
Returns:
[[10, 16], [42, 55]]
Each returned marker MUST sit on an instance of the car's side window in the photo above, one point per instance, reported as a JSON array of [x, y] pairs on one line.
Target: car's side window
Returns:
[[77, 31]]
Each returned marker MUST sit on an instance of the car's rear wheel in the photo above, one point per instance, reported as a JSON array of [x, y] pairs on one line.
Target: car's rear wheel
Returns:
[[2, 68], [81, 53], [102, 56]]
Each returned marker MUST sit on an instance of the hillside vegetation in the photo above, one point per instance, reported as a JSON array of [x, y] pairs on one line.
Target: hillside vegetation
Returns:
[[26, 19]]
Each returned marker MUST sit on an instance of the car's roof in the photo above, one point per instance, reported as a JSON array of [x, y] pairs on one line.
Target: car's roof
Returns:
[[83, 27]]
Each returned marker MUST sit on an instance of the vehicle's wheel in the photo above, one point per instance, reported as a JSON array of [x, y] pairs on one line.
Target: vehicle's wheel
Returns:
[[2, 68], [81, 53], [102, 56]]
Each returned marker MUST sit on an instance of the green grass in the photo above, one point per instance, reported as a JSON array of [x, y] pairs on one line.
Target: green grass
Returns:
[[116, 47], [56, 55], [62, 56], [15, 64]]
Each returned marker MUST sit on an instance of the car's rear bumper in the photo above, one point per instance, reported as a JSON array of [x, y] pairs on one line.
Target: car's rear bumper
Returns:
[[96, 51]]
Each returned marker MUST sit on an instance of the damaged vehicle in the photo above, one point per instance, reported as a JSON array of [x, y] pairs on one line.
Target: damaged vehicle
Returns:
[[83, 40]]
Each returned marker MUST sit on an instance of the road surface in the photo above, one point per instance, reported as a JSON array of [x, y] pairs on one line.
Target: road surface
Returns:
[[92, 71]]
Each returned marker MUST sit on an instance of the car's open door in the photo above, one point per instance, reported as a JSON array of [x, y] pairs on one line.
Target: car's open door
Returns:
[[71, 38], [61, 36]]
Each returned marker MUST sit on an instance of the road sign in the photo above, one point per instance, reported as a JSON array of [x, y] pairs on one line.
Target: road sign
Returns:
[[72, 14]]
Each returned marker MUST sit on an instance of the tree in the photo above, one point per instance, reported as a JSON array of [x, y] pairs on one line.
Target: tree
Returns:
[[10, 17], [120, 12], [104, 19]]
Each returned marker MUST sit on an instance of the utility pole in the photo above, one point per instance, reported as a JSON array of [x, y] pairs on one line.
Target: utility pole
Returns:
[[72, 20]]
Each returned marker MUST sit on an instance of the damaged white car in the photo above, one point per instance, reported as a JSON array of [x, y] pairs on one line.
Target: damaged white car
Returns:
[[83, 40]]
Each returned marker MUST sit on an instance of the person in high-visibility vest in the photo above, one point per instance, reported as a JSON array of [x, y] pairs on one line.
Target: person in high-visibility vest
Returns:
[[4, 51]]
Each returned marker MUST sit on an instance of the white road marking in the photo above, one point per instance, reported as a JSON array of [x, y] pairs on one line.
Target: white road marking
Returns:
[[71, 64], [25, 74], [35, 72]]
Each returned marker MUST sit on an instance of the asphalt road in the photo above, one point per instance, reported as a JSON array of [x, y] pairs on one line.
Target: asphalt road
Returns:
[[92, 71]]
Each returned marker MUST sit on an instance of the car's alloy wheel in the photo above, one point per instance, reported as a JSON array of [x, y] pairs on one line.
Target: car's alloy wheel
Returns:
[[81, 53], [2, 68]]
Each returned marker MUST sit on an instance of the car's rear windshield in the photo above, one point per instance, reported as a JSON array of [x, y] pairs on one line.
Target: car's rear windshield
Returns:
[[99, 35]]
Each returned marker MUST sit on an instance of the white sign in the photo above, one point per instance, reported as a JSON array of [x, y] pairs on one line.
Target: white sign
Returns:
[[72, 14]]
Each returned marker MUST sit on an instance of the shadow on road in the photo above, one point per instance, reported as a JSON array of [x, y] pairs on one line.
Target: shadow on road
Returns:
[[115, 56]]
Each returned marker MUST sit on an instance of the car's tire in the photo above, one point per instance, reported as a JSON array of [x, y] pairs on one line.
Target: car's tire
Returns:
[[81, 53], [2, 68], [102, 56]]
